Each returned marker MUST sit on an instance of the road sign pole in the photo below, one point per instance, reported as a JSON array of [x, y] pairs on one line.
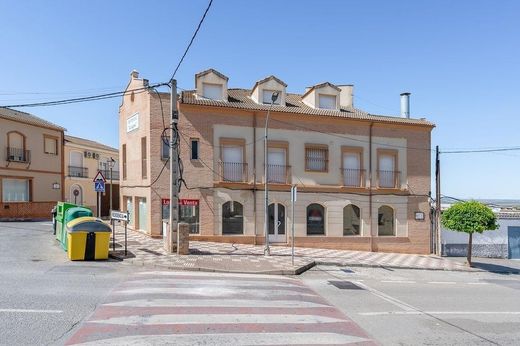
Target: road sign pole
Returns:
[[99, 204]]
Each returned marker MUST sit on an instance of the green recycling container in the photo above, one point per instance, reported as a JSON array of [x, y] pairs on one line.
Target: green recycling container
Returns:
[[71, 214], [61, 208]]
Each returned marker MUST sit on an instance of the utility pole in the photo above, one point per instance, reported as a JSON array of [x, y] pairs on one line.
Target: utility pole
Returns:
[[267, 250], [173, 236], [437, 237]]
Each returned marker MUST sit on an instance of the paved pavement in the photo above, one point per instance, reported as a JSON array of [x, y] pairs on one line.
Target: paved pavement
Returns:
[[416, 307], [210, 256], [186, 308]]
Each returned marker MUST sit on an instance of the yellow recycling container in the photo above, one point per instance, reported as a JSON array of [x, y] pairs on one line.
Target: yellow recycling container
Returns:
[[88, 239]]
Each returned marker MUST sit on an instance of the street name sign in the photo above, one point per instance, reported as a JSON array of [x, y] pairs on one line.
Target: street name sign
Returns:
[[119, 215]]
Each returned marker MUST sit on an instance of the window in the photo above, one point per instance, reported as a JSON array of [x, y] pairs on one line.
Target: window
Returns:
[[316, 159], [142, 213], [212, 91], [315, 219], [385, 221], [232, 218], [165, 148], [16, 147], [15, 190], [123, 150], [276, 168], [233, 167], [268, 94], [194, 149], [76, 168], [351, 220], [50, 145], [327, 101], [352, 166], [189, 213], [144, 170], [387, 169]]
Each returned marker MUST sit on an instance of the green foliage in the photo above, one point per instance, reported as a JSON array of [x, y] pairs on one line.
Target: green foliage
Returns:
[[469, 217]]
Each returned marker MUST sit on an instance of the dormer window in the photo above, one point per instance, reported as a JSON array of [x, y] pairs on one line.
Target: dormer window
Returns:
[[327, 101], [212, 91], [268, 94]]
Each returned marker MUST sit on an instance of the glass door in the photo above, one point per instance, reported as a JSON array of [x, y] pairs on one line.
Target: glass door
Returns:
[[277, 223]]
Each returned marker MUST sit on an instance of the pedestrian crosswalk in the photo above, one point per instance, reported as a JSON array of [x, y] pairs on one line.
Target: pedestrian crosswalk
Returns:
[[183, 308]]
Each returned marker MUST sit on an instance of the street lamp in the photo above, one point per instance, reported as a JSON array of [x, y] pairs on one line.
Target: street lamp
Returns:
[[111, 162], [267, 251]]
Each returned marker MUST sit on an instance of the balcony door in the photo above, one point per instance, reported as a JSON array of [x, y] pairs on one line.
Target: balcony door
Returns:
[[386, 170], [276, 167], [76, 164], [351, 169], [232, 163], [277, 223]]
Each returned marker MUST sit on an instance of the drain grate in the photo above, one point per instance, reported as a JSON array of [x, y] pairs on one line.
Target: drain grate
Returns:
[[345, 285], [152, 252]]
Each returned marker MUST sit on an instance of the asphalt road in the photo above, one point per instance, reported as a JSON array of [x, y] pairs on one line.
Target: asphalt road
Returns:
[[417, 307], [43, 296]]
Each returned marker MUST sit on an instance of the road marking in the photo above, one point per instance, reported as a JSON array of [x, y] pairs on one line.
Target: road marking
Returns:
[[219, 275], [216, 303], [398, 281], [215, 291], [392, 300], [381, 313], [32, 311], [478, 283], [238, 339], [179, 319], [212, 283], [442, 282]]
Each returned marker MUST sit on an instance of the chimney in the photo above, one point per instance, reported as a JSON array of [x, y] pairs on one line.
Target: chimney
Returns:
[[405, 105], [134, 74], [346, 95]]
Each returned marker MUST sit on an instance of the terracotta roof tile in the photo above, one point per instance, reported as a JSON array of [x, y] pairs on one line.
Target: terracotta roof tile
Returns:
[[240, 99]]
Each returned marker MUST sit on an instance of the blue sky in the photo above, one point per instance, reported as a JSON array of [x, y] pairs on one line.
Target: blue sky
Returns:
[[459, 59]]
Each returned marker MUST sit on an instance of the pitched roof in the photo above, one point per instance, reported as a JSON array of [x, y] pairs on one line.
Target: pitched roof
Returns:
[[321, 85], [88, 143], [12, 114], [200, 74], [240, 99], [262, 81]]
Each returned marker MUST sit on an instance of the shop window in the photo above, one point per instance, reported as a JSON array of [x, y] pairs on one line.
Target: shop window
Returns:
[[232, 218], [189, 213], [315, 219], [385, 221], [351, 220]]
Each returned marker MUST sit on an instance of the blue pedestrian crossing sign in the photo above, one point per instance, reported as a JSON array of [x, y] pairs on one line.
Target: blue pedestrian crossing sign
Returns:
[[99, 186]]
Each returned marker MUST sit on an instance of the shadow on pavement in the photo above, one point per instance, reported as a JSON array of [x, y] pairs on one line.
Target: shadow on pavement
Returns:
[[495, 268]]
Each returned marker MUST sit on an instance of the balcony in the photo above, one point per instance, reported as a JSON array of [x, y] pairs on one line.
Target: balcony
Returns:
[[388, 179], [233, 171], [279, 174], [106, 174], [18, 155], [78, 172], [353, 177]]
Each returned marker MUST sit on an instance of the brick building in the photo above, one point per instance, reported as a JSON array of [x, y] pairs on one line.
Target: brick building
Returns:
[[31, 169], [363, 179]]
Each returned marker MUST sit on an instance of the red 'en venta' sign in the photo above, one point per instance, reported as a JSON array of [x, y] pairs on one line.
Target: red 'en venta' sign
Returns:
[[188, 202]]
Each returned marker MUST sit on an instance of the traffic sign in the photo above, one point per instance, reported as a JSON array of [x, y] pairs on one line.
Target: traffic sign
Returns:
[[99, 177], [99, 186], [118, 215]]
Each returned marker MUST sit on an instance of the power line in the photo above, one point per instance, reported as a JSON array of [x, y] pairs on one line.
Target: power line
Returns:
[[86, 98], [470, 151], [192, 39]]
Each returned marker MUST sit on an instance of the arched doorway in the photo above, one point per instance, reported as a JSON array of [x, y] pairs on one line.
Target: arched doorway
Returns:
[[76, 194]]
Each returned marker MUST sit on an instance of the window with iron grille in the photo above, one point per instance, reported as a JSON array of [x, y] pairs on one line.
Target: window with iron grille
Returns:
[[316, 159]]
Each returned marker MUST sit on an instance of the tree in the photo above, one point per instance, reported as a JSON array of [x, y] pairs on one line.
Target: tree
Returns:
[[469, 217]]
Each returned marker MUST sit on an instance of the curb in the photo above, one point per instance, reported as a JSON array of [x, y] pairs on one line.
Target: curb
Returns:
[[365, 265]]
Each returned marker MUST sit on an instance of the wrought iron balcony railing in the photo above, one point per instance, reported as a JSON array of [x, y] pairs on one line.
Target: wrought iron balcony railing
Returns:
[[233, 171], [353, 177], [18, 155], [278, 174], [388, 179], [78, 172]]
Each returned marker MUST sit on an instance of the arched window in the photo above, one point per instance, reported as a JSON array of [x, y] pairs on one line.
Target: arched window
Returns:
[[385, 221], [351, 220], [315, 219], [232, 218], [16, 147]]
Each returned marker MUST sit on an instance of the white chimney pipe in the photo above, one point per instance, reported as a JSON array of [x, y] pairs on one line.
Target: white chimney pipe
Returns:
[[405, 105]]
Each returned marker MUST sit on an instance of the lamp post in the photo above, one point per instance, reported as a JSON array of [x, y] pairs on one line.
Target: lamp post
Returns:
[[111, 162], [267, 250]]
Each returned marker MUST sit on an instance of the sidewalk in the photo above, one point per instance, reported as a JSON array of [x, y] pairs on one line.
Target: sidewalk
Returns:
[[239, 258]]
